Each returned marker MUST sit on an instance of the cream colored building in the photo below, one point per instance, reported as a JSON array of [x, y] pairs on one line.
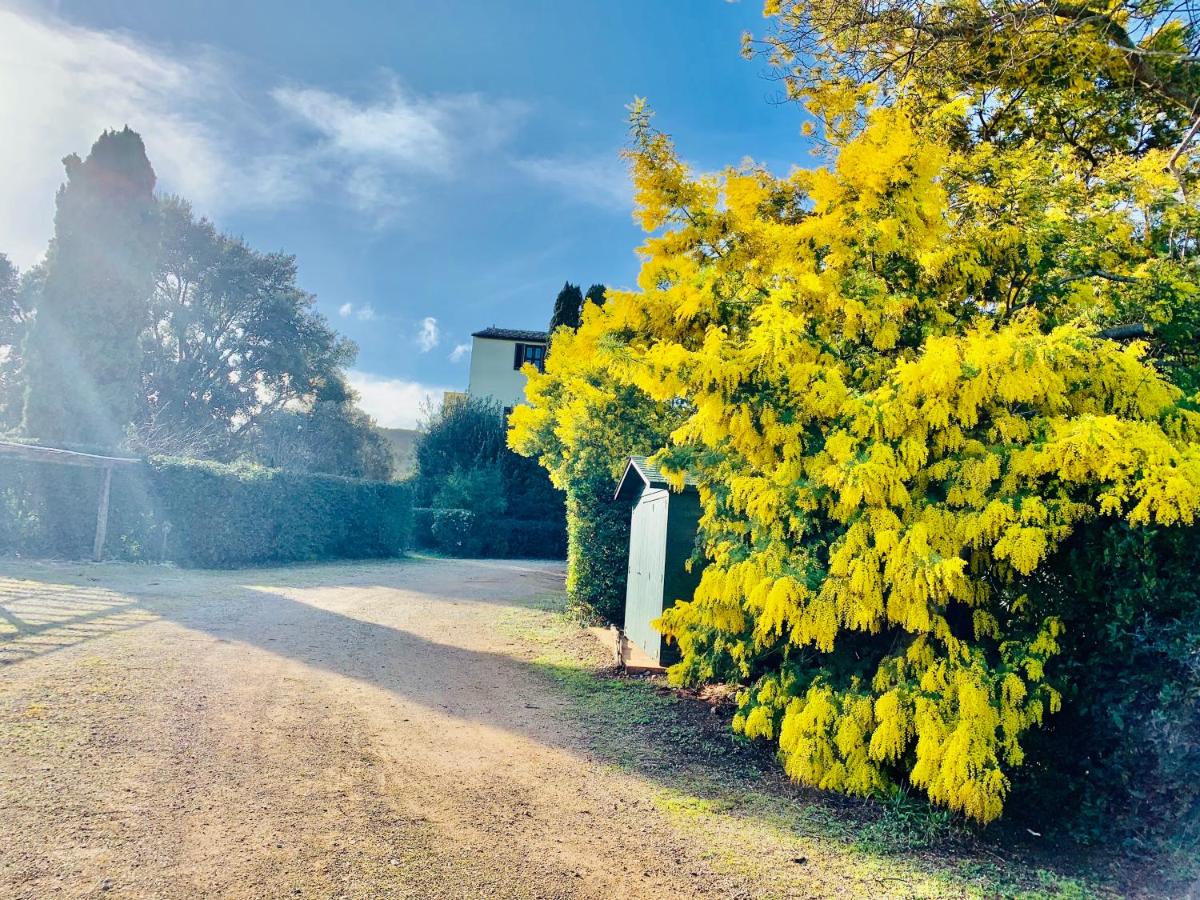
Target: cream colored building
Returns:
[[497, 355]]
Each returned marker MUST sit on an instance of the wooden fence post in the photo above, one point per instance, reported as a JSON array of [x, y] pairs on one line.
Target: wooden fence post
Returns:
[[102, 514]]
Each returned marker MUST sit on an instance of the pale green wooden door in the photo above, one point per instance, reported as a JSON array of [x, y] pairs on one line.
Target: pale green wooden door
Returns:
[[647, 563]]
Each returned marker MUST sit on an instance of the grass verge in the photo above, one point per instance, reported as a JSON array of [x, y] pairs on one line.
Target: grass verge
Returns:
[[728, 795]]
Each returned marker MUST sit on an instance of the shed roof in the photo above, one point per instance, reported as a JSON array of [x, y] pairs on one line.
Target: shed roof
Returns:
[[640, 473], [512, 334]]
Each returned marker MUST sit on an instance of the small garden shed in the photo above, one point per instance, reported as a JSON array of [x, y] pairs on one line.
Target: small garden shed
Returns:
[[662, 539]]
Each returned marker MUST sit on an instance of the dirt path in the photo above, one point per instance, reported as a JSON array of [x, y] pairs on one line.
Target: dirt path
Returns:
[[335, 731], [425, 728]]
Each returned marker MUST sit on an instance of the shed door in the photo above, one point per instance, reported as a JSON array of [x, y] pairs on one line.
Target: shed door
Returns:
[[647, 563]]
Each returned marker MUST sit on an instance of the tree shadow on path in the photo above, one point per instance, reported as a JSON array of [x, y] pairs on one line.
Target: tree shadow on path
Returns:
[[680, 747]]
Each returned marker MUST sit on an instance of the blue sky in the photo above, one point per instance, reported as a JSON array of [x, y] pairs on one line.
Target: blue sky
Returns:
[[436, 167]]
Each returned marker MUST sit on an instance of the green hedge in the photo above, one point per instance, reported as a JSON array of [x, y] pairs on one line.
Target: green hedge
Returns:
[[598, 549], [460, 532], [1122, 759], [202, 514]]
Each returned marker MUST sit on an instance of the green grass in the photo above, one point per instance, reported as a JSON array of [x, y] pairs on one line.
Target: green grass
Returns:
[[727, 794]]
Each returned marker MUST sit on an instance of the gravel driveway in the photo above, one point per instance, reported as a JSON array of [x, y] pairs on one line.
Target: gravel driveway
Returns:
[[365, 730]]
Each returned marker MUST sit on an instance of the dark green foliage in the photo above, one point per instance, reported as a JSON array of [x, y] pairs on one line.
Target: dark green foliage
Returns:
[[459, 532], [15, 306], [598, 547], [568, 308], [332, 436], [235, 516], [464, 463], [459, 436], [527, 539], [1123, 757], [48, 510], [202, 514], [422, 526], [450, 531], [480, 489], [10, 305], [454, 531], [596, 294], [82, 356], [233, 341]]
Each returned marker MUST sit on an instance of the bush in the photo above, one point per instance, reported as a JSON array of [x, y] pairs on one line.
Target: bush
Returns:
[[463, 463], [454, 532], [528, 538], [232, 516], [202, 513], [480, 489], [598, 549], [459, 532], [1122, 759], [50, 510]]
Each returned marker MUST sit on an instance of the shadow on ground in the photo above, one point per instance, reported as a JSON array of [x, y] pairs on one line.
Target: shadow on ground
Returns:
[[682, 747]]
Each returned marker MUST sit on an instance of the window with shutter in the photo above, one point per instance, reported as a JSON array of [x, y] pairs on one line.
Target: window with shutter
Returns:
[[530, 353]]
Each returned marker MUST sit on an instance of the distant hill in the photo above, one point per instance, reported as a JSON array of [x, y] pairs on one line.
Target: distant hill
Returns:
[[403, 442]]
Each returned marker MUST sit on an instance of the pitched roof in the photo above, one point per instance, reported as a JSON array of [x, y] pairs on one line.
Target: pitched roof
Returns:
[[649, 474], [512, 334]]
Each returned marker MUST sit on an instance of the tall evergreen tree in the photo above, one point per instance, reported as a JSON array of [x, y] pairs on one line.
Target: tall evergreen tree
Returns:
[[82, 355], [595, 294], [568, 307]]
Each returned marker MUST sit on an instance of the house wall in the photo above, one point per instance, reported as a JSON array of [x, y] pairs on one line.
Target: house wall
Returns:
[[492, 373]]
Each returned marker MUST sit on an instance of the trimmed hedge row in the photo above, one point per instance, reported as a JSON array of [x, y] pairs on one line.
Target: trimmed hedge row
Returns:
[[202, 514], [459, 532], [598, 541]]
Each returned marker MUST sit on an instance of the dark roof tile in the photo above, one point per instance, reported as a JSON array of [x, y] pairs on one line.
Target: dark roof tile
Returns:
[[649, 475], [511, 334]]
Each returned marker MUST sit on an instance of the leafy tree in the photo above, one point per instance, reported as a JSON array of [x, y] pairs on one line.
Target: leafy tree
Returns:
[[10, 302], [901, 392], [1081, 106], [1092, 77], [330, 435], [232, 342], [567, 307], [458, 436], [16, 304], [82, 353], [479, 489], [462, 458], [581, 425]]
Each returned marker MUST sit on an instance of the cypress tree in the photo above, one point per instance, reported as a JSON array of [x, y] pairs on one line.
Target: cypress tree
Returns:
[[568, 307], [595, 294], [82, 355]]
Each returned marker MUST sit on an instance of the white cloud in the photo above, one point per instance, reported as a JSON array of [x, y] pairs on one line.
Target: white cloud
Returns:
[[428, 335], [395, 402], [381, 144], [459, 351], [364, 313], [597, 180], [212, 135]]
